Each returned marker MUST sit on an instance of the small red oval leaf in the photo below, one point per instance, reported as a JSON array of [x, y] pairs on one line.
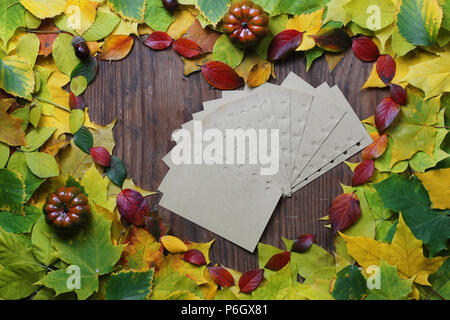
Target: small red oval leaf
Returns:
[[284, 43], [158, 40], [398, 94], [385, 113], [221, 76], [386, 68], [302, 243], [278, 261], [132, 207], [332, 39], [194, 256], [101, 156], [365, 49], [377, 148], [250, 280], [187, 48], [76, 102], [221, 276], [344, 211], [363, 172]]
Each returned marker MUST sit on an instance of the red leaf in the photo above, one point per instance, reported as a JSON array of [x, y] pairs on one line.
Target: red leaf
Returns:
[[48, 37], [365, 49], [398, 94], [158, 40], [363, 172], [386, 68], [221, 76], [101, 156], [344, 211], [116, 47], [377, 148], [332, 40], [194, 256], [187, 48], [385, 113], [278, 261], [250, 280], [284, 43], [302, 243], [221, 276], [132, 207], [76, 102]]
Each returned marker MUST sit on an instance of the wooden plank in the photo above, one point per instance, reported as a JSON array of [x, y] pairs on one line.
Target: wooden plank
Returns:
[[149, 96]]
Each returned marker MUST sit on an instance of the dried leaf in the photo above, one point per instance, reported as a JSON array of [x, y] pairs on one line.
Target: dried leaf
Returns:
[[132, 207], [116, 47], [187, 48], [385, 113], [11, 131], [363, 172], [259, 74], [365, 49], [386, 68], [250, 280], [158, 40], [284, 43], [47, 38], [221, 76], [194, 256], [173, 244], [344, 211], [278, 261], [205, 37]]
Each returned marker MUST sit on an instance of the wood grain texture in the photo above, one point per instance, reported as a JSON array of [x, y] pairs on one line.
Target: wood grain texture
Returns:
[[149, 96]]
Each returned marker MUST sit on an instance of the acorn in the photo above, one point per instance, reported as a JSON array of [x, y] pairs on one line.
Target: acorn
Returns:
[[170, 5], [81, 48]]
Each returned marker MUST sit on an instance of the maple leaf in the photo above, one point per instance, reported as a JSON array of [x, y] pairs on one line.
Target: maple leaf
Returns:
[[437, 184], [277, 286], [96, 187], [411, 198], [142, 252], [349, 284], [391, 286], [308, 24], [204, 37], [405, 252], [414, 129], [432, 76], [91, 251]]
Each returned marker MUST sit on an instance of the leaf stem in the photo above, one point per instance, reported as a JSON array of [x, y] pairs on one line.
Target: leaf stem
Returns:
[[438, 294], [52, 103]]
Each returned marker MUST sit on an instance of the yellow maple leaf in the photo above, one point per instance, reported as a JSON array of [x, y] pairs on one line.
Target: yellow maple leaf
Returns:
[[432, 75], [405, 252], [437, 183], [309, 24], [97, 188], [80, 14], [44, 8]]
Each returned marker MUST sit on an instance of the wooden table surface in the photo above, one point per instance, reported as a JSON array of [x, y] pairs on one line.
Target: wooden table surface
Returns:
[[149, 96]]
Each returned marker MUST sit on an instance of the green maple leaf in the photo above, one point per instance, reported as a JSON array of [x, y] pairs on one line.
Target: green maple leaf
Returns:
[[392, 287], [129, 285], [12, 16], [410, 197], [16, 223], [440, 284], [20, 270], [350, 284], [414, 129], [91, 251]]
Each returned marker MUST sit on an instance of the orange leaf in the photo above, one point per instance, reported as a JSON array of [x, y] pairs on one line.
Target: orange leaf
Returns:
[[10, 127], [47, 39], [116, 47], [377, 148]]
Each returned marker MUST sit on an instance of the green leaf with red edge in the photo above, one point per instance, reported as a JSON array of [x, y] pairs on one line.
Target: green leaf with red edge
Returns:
[[284, 43], [386, 68], [385, 113], [344, 211], [221, 76], [221, 276], [363, 172], [187, 48], [142, 252], [158, 40], [116, 47], [250, 280], [278, 261], [333, 39]]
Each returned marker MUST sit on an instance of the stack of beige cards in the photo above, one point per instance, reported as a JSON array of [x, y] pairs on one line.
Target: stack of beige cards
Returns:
[[242, 153]]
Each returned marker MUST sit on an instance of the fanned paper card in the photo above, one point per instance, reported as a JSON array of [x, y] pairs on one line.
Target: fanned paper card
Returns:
[[234, 161]]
